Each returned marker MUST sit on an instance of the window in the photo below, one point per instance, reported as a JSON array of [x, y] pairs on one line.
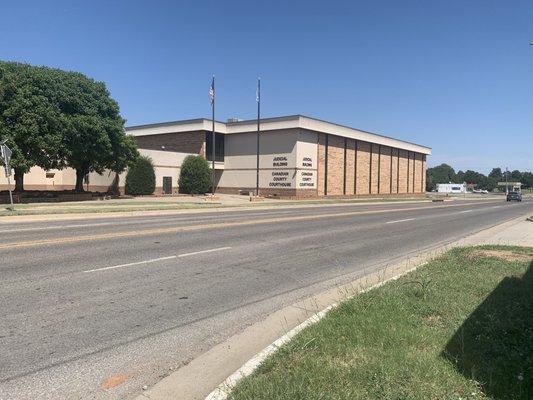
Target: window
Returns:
[[219, 146]]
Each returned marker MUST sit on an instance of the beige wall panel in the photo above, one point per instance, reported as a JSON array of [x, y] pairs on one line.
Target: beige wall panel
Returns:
[[363, 162], [278, 150], [403, 172], [385, 170], [350, 166], [321, 163], [307, 160], [335, 165]]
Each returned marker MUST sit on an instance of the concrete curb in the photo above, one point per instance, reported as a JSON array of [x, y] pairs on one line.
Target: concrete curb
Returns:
[[196, 379], [224, 389]]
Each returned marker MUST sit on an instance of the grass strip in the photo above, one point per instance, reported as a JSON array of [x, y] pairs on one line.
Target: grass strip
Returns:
[[461, 327]]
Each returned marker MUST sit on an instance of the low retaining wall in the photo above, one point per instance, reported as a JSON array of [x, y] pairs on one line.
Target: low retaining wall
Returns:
[[48, 197]]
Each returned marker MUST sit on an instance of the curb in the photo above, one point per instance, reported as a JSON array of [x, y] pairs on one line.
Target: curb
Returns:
[[224, 389]]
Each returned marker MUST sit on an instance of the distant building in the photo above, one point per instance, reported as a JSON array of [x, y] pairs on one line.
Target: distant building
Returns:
[[510, 186], [451, 187]]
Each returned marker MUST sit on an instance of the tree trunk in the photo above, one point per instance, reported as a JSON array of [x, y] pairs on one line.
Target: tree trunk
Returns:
[[19, 180], [80, 174], [113, 188]]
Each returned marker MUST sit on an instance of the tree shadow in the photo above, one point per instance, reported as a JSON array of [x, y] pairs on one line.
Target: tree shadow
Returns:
[[494, 346]]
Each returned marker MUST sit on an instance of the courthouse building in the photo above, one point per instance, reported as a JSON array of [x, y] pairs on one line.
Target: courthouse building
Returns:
[[299, 157]]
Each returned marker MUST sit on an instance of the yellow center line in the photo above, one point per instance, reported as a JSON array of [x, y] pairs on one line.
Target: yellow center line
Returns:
[[188, 228]]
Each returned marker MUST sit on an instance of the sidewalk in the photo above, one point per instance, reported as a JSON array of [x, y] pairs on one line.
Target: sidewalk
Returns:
[[239, 355], [515, 233]]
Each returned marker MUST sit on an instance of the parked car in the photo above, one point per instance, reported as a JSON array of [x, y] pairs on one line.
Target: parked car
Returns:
[[514, 196]]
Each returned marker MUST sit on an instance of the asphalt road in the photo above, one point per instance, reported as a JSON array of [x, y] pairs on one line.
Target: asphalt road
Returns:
[[100, 308]]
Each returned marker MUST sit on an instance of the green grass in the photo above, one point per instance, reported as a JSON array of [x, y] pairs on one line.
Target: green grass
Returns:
[[460, 327], [135, 205]]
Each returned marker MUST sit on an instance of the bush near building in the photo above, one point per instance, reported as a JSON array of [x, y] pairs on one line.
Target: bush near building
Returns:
[[140, 179], [195, 175]]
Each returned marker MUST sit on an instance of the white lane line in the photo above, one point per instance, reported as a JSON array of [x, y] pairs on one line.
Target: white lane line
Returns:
[[157, 259], [203, 251], [131, 264], [496, 206], [400, 220], [464, 211]]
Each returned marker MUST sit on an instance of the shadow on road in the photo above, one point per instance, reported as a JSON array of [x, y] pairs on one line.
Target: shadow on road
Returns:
[[494, 346]]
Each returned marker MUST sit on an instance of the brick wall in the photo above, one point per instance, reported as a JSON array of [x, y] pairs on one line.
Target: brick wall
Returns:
[[375, 169], [335, 165], [417, 173], [394, 170], [385, 170], [185, 142], [350, 166], [403, 172], [363, 172]]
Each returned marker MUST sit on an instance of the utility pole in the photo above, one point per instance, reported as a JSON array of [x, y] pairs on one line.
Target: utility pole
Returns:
[[506, 185], [258, 99], [212, 97]]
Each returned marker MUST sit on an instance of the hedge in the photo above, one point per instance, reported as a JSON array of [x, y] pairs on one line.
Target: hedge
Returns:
[[195, 175], [140, 178]]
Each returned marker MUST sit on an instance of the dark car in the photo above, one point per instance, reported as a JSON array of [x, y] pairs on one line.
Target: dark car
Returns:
[[514, 196]]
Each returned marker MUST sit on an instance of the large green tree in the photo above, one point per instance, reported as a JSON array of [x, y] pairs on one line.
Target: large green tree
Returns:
[[52, 119], [94, 138], [30, 118], [440, 174], [496, 174]]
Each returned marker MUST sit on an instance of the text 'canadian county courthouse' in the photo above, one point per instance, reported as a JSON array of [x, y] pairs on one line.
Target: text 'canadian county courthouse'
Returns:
[[300, 157]]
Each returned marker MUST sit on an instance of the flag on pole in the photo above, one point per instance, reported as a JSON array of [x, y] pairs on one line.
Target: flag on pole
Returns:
[[258, 91], [212, 91]]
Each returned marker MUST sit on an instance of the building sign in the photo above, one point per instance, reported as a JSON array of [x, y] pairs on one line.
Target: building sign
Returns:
[[280, 161], [287, 173], [307, 177], [280, 177]]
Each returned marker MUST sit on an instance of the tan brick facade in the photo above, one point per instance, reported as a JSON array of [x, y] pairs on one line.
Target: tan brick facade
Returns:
[[385, 170], [363, 170], [183, 142], [350, 166], [335, 165]]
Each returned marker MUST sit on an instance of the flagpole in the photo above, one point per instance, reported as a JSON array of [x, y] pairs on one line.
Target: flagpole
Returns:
[[258, 98], [213, 139]]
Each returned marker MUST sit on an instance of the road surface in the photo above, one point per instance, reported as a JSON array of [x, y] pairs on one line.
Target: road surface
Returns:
[[97, 309]]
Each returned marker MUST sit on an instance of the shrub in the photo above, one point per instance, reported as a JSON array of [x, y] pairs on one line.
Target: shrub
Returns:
[[140, 178], [195, 175]]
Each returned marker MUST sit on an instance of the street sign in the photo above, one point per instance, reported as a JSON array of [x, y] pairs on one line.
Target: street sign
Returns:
[[5, 153]]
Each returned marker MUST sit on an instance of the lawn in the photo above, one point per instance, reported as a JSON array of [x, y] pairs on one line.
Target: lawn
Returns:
[[460, 327]]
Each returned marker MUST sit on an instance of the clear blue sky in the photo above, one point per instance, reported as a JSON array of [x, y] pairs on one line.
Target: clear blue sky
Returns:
[[453, 75]]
